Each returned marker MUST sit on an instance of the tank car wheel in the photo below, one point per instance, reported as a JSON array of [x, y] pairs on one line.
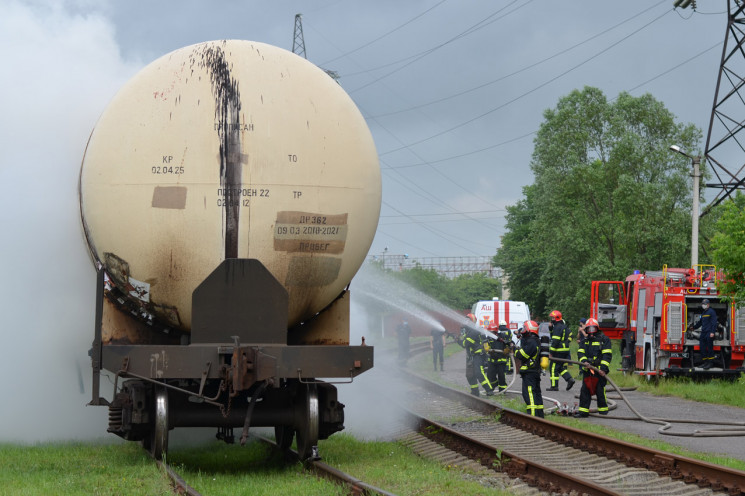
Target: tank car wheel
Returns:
[[308, 427], [284, 435], [159, 430]]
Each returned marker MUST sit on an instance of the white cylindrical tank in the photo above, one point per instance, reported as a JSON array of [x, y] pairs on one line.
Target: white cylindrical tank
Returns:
[[230, 149]]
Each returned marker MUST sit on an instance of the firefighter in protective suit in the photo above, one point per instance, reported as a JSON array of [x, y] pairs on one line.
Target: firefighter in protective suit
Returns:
[[529, 354], [470, 339], [561, 336], [498, 349], [476, 365], [595, 349]]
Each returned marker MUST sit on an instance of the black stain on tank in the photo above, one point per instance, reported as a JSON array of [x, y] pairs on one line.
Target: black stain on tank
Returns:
[[227, 116]]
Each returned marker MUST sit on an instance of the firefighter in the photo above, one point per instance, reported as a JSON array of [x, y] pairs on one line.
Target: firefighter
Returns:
[[507, 336], [594, 350], [498, 349], [708, 324], [470, 340], [437, 345], [529, 353], [561, 336], [404, 334]]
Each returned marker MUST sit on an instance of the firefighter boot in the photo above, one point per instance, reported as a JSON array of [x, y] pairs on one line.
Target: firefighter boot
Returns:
[[570, 383]]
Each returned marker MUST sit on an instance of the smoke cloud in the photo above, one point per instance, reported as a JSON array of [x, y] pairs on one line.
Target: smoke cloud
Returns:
[[61, 67]]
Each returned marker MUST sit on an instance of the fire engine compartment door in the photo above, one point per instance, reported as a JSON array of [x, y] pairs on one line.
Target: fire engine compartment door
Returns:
[[641, 324], [608, 301], [675, 322], [740, 327]]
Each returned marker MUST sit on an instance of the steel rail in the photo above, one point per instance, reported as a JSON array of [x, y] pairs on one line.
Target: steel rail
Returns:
[[179, 484], [678, 467], [535, 474], [355, 487]]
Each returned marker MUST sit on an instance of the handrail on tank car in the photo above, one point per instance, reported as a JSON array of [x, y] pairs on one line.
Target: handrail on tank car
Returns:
[[199, 396]]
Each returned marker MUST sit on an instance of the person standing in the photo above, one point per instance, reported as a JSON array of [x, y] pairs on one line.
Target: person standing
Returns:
[[404, 334], [708, 324], [530, 368], [498, 348], [437, 345], [596, 351], [561, 336], [470, 340]]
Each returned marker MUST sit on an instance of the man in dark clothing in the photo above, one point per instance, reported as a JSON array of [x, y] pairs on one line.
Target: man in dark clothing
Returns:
[[594, 350], [437, 344], [530, 368], [470, 340], [497, 354], [708, 324], [561, 336], [404, 333]]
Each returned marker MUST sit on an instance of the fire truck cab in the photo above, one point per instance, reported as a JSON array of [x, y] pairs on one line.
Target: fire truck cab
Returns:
[[652, 314]]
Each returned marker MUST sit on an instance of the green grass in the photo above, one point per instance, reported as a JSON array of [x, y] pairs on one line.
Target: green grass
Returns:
[[393, 467], [220, 469], [79, 469]]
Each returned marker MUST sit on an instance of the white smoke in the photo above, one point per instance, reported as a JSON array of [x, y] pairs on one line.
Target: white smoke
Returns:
[[61, 67]]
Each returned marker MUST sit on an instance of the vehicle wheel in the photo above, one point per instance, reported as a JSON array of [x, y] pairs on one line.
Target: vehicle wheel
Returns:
[[159, 431], [284, 435], [308, 422]]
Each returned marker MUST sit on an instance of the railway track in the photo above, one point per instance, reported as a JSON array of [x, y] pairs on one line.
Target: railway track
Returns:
[[354, 486], [553, 457]]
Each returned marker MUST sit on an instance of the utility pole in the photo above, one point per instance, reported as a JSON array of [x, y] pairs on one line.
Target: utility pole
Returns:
[[696, 162]]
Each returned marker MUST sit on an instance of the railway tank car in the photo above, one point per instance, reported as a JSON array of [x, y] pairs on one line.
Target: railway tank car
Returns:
[[228, 193]]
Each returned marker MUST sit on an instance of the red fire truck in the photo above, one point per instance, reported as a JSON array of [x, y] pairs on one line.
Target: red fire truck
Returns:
[[651, 312]]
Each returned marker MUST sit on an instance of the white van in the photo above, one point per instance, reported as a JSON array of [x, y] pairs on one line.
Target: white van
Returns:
[[492, 311]]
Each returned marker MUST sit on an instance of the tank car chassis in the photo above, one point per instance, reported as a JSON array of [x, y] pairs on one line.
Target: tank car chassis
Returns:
[[235, 369]]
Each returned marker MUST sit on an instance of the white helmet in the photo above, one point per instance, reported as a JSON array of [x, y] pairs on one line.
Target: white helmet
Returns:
[[503, 323]]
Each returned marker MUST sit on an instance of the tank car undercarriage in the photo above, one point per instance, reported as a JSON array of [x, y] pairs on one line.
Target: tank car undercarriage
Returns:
[[237, 370]]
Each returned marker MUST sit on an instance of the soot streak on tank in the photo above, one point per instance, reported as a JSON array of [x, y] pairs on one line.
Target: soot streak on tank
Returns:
[[227, 114]]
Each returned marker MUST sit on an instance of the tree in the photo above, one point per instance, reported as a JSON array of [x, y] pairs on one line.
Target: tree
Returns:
[[728, 246], [608, 198]]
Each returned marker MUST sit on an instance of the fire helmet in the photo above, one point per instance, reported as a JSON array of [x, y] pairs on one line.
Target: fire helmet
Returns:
[[472, 317], [503, 323], [531, 326], [555, 315], [591, 326]]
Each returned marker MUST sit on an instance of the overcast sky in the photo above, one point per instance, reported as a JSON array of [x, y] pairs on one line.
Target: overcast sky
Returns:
[[453, 92]]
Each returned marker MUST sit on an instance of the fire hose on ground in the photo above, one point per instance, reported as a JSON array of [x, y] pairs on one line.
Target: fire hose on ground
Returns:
[[735, 429]]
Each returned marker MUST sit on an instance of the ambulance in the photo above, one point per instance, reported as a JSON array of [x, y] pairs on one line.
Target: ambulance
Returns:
[[489, 312]]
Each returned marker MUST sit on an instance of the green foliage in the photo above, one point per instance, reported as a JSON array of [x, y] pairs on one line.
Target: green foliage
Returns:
[[729, 248], [609, 197]]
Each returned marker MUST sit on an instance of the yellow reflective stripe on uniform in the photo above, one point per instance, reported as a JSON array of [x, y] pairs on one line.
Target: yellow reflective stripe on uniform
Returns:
[[532, 406], [603, 362], [607, 350]]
